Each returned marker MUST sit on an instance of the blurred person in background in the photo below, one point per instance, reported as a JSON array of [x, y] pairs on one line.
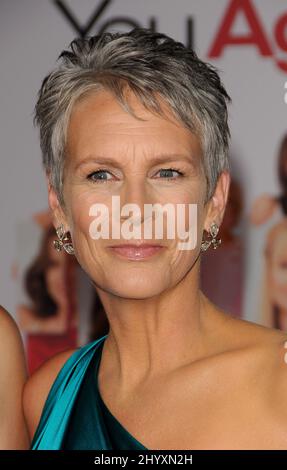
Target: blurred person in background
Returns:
[[226, 289], [266, 205], [99, 324], [50, 321], [274, 289]]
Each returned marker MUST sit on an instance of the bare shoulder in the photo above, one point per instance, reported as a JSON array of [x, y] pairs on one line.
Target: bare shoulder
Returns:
[[12, 356], [263, 343], [10, 338], [13, 433], [272, 357], [243, 333], [264, 356], [7, 323], [37, 388]]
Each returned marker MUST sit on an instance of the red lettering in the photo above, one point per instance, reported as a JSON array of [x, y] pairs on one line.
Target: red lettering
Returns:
[[255, 37], [280, 33]]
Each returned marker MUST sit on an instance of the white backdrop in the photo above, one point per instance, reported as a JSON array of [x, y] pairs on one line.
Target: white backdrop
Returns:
[[34, 32]]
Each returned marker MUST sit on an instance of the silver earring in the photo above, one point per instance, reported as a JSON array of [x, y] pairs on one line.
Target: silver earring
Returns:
[[211, 240], [63, 241]]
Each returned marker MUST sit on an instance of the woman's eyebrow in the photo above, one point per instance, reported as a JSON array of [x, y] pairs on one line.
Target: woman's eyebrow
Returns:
[[162, 158], [96, 159]]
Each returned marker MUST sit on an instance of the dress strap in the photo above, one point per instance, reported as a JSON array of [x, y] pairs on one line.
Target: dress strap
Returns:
[[59, 404]]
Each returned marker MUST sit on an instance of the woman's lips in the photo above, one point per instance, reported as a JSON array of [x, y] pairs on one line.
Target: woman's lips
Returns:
[[136, 252]]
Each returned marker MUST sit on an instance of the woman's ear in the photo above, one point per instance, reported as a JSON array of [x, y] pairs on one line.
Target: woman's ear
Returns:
[[58, 215], [218, 201]]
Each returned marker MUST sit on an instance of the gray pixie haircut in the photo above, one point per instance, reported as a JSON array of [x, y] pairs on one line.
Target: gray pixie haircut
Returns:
[[150, 64]]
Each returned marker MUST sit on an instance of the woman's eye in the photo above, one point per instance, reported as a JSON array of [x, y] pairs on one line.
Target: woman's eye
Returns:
[[105, 175], [169, 173], [99, 175]]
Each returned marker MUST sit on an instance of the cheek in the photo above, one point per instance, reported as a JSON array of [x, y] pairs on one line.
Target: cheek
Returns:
[[186, 225], [189, 228], [190, 216], [80, 206], [89, 252], [80, 220]]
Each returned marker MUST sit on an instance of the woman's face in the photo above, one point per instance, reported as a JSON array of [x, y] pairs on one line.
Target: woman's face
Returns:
[[111, 153], [278, 271]]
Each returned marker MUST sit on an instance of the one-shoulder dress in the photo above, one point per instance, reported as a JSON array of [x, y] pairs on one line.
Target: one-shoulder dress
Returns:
[[74, 416]]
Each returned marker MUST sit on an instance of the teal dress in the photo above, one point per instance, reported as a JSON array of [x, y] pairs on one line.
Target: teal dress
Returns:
[[74, 416]]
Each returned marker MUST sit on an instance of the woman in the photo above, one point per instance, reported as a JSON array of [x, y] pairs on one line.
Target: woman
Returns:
[[273, 283], [266, 205], [274, 301], [136, 118], [226, 289], [13, 431], [50, 320]]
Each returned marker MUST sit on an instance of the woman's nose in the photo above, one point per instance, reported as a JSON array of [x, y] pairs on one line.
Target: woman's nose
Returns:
[[134, 195]]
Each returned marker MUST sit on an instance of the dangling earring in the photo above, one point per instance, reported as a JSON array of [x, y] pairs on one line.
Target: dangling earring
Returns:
[[211, 240], [63, 241]]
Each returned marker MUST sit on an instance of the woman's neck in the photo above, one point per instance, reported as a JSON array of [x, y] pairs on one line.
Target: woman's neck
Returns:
[[157, 335]]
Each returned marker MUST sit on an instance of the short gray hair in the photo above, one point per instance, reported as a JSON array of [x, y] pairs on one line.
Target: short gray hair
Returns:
[[151, 64]]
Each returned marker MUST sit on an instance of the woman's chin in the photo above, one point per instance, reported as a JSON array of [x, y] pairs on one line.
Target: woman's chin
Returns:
[[131, 288]]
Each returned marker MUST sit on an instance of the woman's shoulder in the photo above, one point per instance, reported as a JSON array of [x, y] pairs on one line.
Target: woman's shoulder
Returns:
[[40, 383], [270, 347], [6, 320], [13, 376], [10, 338], [257, 350], [270, 377], [12, 357], [264, 343], [262, 352]]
